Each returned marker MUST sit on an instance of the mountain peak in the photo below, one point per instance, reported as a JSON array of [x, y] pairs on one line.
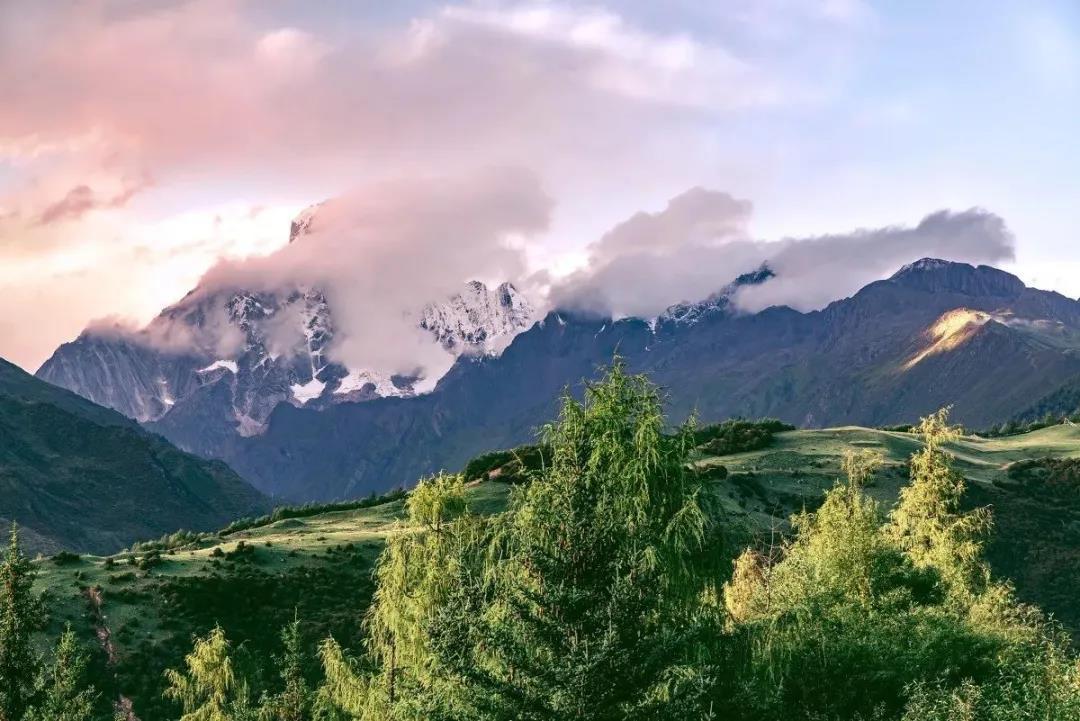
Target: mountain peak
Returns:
[[945, 276], [689, 313], [301, 224]]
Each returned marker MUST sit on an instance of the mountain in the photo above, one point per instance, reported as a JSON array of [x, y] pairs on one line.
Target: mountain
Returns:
[[217, 364], [936, 333], [78, 476]]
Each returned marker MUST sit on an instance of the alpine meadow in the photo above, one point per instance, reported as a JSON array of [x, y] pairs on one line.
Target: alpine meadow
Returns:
[[539, 360]]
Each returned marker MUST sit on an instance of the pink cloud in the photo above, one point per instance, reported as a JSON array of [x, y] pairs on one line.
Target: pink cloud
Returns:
[[82, 199]]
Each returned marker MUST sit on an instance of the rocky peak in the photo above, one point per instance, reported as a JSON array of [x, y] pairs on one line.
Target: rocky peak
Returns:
[[720, 301], [943, 276], [302, 223], [478, 320]]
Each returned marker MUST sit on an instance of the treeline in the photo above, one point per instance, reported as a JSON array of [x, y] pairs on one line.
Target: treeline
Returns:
[[611, 588], [1016, 427], [738, 436]]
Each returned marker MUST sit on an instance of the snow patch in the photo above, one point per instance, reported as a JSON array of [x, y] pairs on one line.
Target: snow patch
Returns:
[[304, 392], [228, 365]]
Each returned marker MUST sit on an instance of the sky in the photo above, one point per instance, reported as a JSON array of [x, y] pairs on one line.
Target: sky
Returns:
[[610, 157]]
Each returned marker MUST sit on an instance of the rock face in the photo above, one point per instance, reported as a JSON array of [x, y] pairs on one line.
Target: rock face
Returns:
[[217, 363], [478, 320], [934, 334], [78, 476]]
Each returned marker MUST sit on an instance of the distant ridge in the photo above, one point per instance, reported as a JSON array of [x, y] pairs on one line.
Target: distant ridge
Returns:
[[81, 477]]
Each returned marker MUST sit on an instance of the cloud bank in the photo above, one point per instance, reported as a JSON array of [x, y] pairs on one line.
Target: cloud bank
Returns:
[[702, 240], [384, 250]]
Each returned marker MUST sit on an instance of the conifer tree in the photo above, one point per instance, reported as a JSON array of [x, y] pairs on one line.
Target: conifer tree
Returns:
[[927, 523], [597, 576], [414, 576], [210, 689], [21, 614], [293, 703], [66, 696]]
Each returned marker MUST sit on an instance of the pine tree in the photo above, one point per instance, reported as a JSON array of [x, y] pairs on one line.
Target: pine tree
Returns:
[[598, 574], [415, 575], [21, 614], [66, 695], [210, 689], [294, 701]]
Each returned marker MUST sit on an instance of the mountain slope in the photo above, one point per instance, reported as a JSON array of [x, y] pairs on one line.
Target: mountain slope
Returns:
[[78, 476], [934, 334]]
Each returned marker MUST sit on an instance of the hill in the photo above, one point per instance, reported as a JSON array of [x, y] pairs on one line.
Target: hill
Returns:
[[78, 476], [319, 565]]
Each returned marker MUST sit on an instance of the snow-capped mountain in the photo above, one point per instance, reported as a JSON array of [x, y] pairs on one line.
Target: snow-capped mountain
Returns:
[[267, 348], [478, 319]]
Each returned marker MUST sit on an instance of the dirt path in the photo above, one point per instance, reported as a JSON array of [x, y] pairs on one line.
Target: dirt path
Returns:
[[123, 706]]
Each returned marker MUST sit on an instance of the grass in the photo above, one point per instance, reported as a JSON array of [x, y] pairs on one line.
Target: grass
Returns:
[[251, 582]]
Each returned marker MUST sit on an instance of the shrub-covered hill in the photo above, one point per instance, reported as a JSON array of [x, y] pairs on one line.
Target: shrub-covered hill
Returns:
[[81, 477], [319, 566]]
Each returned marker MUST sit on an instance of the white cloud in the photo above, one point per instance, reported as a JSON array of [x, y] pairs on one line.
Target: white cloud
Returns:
[[702, 240]]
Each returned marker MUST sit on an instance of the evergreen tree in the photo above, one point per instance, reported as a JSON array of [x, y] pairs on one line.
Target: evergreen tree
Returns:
[[927, 523], [597, 575], [21, 613], [210, 689], [293, 703], [414, 577], [66, 696]]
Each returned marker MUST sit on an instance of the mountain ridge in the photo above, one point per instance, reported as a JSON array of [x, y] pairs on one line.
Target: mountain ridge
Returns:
[[843, 364], [82, 477]]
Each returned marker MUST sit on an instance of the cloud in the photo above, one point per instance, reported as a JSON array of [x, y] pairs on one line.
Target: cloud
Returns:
[[380, 253], [216, 336], [702, 240], [812, 272], [227, 101], [203, 88], [82, 199]]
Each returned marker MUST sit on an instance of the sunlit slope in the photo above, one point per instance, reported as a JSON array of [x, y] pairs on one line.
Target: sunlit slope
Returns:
[[1035, 540]]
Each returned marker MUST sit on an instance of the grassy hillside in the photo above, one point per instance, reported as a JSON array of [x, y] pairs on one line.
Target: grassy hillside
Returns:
[[75, 475], [1036, 536], [147, 606]]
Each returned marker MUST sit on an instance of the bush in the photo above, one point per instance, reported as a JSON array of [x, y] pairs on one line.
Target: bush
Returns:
[[738, 436], [65, 558]]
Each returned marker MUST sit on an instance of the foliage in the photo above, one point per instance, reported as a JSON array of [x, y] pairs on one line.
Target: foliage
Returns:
[[209, 689], [738, 435], [294, 701], [513, 466], [21, 614], [856, 617], [927, 523], [66, 695]]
